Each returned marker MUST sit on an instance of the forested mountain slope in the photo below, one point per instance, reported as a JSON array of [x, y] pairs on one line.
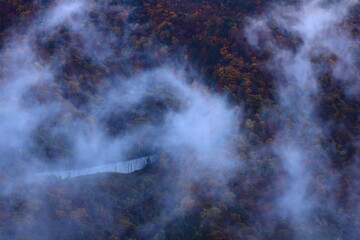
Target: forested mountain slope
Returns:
[[252, 106]]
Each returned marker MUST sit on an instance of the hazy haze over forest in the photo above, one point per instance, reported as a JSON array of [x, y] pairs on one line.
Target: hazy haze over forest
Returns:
[[251, 108]]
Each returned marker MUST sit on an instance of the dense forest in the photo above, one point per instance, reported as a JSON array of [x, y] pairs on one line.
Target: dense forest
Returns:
[[251, 105]]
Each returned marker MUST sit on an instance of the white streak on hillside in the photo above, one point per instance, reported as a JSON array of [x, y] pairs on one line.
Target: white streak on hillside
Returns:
[[126, 167]]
